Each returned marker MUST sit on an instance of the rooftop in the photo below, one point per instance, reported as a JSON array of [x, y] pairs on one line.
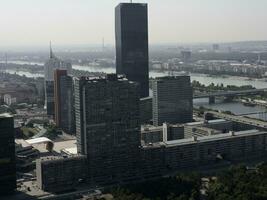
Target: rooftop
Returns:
[[38, 140], [70, 151], [64, 145], [177, 76], [108, 77], [213, 137], [215, 121], [5, 115], [204, 139]]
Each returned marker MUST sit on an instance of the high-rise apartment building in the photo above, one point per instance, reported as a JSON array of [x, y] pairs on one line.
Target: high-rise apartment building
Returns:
[[64, 106], [108, 127], [49, 67], [7, 155], [172, 100], [131, 27]]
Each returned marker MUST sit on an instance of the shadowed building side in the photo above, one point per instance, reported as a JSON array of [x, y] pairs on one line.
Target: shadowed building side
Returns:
[[172, 100], [63, 101], [7, 156], [108, 127], [131, 27]]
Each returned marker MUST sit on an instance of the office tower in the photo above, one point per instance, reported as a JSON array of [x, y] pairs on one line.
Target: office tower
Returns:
[[7, 156], [186, 56], [131, 27], [64, 115], [172, 100], [49, 67], [108, 127]]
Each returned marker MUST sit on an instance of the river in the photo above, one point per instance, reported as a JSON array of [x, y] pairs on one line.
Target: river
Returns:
[[235, 107], [202, 78]]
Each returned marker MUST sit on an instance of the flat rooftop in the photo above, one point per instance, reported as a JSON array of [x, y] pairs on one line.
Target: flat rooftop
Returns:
[[5, 115], [38, 140], [214, 138], [62, 145], [214, 121], [204, 139]]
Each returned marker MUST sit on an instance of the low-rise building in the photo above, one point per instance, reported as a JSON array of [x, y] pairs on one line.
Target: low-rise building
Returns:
[[56, 174], [161, 158], [207, 128]]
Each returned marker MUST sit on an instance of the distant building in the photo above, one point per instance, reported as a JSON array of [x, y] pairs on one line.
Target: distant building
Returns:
[[9, 100], [7, 156], [186, 56], [52, 64], [131, 26], [108, 127], [172, 100], [215, 47], [64, 102]]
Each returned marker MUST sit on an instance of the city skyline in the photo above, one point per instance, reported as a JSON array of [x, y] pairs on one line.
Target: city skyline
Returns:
[[84, 22]]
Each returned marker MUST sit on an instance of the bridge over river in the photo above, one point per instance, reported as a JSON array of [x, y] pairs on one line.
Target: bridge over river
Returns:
[[229, 94]]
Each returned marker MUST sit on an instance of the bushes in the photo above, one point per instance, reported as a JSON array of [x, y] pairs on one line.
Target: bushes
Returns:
[[240, 183], [181, 187]]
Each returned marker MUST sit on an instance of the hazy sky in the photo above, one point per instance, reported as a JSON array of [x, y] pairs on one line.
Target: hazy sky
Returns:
[[35, 22]]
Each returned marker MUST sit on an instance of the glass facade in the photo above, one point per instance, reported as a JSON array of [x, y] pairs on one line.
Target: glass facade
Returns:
[[131, 26], [172, 100], [7, 155]]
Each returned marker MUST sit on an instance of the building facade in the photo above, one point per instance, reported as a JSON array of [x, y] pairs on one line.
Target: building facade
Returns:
[[146, 110], [186, 56], [64, 106], [158, 159], [131, 27], [60, 174], [172, 100], [7, 155], [108, 127]]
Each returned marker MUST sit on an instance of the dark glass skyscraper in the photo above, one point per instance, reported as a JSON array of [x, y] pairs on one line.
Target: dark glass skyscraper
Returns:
[[172, 100], [7, 155], [64, 107], [108, 127], [131, 26]]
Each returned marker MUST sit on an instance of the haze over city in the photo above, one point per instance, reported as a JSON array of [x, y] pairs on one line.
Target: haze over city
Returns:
[[36, 22], [133, 100]]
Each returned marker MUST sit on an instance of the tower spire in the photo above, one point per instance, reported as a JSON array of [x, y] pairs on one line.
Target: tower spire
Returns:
[[51, 51]]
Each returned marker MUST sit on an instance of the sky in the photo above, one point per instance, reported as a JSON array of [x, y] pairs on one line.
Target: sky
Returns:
[[36, 22]]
